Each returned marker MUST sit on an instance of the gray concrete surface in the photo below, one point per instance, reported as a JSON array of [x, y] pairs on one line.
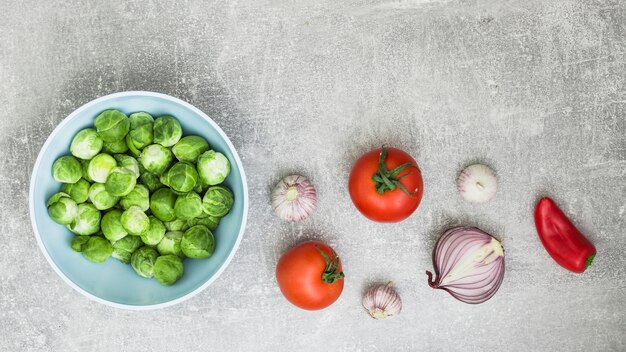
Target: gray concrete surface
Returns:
[[534, 88]]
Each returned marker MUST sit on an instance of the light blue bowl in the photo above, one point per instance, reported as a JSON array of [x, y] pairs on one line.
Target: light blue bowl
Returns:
[[112, 282]]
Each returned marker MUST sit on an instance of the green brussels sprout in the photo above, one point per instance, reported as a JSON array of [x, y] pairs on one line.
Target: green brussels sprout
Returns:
[[176, 225], [155, 233], [87, 221], [100, 167], [181, 177], [213, 167], [198, 242], [188, 206], [189, 148], [112, 125], [85, 165], [67, 169], [168, 269], [62, 209], [120, 182], [167, 131], [124, 248], [78, 242], [143, 260], [170, 244], [97, 249], [101, 198], [86, 144], [132, 150], [210, 222], [112, 226], [115, 147], [151, 181], [162, 204], [217, 201], [156, 159], [139, 196], [141, 133], [78, 191], [128, 162], [135, 221]]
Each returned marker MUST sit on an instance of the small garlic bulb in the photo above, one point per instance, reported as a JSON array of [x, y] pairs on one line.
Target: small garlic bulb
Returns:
[[477, 183], [382, 302], [294, 198]]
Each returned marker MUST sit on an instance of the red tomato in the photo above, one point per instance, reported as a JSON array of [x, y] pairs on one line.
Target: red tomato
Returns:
[[386, 201], [307, 278]]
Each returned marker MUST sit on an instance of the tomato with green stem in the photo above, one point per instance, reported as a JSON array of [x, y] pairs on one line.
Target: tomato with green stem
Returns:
[[386, 185], [309, 275]]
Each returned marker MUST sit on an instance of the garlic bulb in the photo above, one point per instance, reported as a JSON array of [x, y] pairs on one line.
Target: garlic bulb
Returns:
[[294, 198], [477, 183], [382, 302]]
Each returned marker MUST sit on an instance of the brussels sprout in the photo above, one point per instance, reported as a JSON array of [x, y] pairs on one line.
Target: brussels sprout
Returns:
[[128, 162], [140, 129], [87, 221], [181, 177], [170, 244], [112, 125], [188, 206], [213, 167], [217, 201], [135, 221], [124, 248], [168, 269], [176, 225], [78, 191], [167, 131], [67, 169], [143, 260], [86, 144], [151, 181], [85, 165], [139, 196], [120, 182], [162, 204], [155, 233], [97, 249], [156, 158], [100, 167], [112, 226], [198, 242], [101, 198], [115, 147], [62, 209], [79, 242], [210, 222], [189, 148], [132, 150]]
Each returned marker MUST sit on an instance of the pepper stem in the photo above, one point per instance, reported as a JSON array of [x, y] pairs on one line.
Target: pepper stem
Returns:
[[330, 274], [387, 180], [589, 261]]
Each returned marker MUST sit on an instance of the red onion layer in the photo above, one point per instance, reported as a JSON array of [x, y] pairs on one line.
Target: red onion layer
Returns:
[[469, 264]]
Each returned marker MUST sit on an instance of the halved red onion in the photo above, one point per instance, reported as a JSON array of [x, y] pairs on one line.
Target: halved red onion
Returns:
[[469, 264]]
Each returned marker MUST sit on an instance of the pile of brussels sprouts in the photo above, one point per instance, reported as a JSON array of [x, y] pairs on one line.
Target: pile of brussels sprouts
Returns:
[[135, 189]]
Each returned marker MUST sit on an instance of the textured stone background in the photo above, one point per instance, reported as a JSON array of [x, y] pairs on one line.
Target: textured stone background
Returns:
[[534, 88]]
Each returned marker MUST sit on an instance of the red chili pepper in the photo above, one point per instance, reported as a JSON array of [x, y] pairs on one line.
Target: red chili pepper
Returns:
[[561, 238]]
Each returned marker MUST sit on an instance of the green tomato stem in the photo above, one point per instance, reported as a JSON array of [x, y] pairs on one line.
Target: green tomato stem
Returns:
[[387, 180]]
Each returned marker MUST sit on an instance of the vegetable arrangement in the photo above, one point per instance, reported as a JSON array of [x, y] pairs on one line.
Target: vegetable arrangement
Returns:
[[385, 185], [136, 190]]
